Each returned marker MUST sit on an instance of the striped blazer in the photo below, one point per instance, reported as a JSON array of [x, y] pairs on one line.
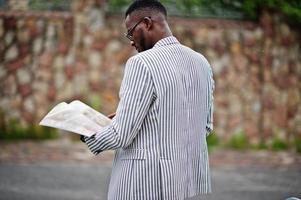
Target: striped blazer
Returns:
[[159, 131]]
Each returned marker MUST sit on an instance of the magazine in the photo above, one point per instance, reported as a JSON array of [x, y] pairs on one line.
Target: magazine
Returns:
[[76, 117]]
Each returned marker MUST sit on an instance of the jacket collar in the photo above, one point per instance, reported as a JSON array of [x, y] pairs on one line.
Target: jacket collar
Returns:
[[166, 41]]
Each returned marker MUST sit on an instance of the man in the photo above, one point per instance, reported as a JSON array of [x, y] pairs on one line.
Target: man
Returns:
[[163, 117]]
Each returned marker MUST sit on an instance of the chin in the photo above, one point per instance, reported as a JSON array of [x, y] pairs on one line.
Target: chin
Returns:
[[139, 50], [142, 49]]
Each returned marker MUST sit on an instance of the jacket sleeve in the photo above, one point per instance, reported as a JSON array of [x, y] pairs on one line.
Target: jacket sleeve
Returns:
[[210, 103], [136, 95]]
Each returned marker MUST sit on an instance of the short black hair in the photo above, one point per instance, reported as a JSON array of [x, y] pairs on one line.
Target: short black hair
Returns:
[[146, 4]]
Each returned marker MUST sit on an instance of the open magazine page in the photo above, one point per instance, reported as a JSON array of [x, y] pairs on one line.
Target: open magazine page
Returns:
[[58, 108], [90, 113], [78, 124], [76, 117]]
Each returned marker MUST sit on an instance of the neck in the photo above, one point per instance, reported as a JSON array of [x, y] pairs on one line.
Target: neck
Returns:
[[162, 32]]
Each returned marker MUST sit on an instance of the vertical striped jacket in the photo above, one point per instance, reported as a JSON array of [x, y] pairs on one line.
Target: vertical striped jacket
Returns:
[[159, 131]]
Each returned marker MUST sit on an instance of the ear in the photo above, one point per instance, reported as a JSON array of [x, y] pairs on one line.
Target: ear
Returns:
[[148, 23]]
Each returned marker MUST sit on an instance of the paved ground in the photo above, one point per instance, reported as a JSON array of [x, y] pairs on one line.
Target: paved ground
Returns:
[[78, 182], [66, 170]]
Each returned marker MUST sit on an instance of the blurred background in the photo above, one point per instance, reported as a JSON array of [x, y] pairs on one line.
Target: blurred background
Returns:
[[62, 50]]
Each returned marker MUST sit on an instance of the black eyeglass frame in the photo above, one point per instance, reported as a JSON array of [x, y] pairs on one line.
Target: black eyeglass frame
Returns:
[[129, 34]]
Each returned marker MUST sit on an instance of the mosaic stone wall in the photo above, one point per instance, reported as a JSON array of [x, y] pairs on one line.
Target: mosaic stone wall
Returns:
[[49, 57]]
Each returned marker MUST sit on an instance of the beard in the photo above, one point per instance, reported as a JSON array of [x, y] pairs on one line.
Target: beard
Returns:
[[143, 45]]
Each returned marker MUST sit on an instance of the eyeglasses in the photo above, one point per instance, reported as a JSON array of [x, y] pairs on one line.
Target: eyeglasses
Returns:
[[129, 34]]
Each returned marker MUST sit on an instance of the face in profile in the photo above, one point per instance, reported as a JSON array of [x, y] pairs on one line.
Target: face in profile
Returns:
[[136, 32]]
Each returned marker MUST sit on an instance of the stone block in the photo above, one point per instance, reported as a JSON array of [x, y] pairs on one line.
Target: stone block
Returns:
[[14, 114], [258, 34], [63, 48], [25, 90], [80, 84], [268, 75], [280, 119], [235, 122], [284, 30], [240, 63], [293, 102], [59, 79], [50, 45], [8, 38], [59, 62], [3, 71], [282, 82], [99, 45], [43, 75], [5, 105], [232, 35], [296, 124], [218, 46], [1, 28], [293, 80], [24, 76], [28, 117], [2, 47], [95, 85], [20, 24], [50, 31], [249, 39], [94, 74], [9, 86], [40, 99], [10, 23], [201, 36], [80, 67], [95, 59], [29, 105], [24, 50], [217, 64], [95, 19], [15, 65], [11, 53], [23, 35], [16, 102], [66, 91], [69, 59], [32, 27], [51, 94], [28, 59], [88, 41], [235, 48], [69, 72], [253, 57], [266, 22], [286, 41], [41, 25], [37, 46], [41, 112], [251, 128], [268, 125], [46, 59], [113, 47]]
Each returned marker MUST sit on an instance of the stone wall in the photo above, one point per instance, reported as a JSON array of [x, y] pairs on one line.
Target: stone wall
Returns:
[[257, 69], [47, 58]]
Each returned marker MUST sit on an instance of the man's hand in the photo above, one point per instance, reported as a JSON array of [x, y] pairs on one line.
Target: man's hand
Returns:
[[82, 138]]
